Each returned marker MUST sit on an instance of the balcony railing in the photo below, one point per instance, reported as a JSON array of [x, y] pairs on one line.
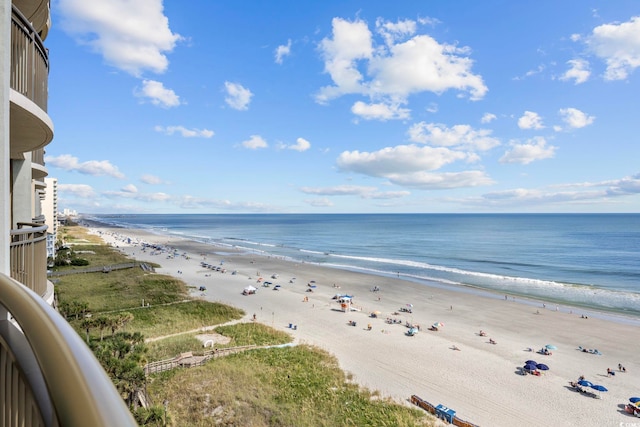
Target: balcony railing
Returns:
[[50, 377], [28, 254], [29, 61]]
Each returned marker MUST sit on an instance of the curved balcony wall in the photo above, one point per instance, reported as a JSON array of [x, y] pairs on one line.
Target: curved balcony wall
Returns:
[[50, 377], [37, 12], [28, 256], [38, 169], [31, 128]]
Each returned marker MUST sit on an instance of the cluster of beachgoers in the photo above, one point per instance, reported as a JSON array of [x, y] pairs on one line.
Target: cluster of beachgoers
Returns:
[[373, 329]]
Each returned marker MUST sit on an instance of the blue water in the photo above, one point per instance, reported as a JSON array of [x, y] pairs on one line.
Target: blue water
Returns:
[[589, 260]]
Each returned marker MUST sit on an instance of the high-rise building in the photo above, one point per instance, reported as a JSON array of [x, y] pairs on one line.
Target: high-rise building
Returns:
[[49, 377], [50, 212]]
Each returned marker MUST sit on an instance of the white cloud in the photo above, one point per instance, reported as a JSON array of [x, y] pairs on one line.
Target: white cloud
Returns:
[[530, 120], [379, 111], [158, 94], [354, 190], [534, 149], [619, 46], [397, 160], [320, 203], [190, 202], [187, 133], [392, 31], [132, 36], [570, 193], [441, 181], [575, 118], [462, 136], [395, 69], [238, 97], [300, 145], [151, 179], [255, 142], [578, 71], [91, 167], [125, 193], [488, 118], [282, 51], [340, 190], [78, 190], [130, 188]]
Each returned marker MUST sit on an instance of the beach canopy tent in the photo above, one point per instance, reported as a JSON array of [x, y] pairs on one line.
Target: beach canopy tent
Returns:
[[249, 290]]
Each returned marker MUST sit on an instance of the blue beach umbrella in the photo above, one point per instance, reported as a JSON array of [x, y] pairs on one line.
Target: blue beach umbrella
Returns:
[[530, 362], [585, 383], [542, 367], [599, 387], [634, 399], [530, 367]]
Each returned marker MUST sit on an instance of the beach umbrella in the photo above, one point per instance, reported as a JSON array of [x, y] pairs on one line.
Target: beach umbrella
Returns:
[[585, 383], [542, 367], [599, 387], [634, 399], [530, 367], [438, 325], [550, 347], [530, 362]]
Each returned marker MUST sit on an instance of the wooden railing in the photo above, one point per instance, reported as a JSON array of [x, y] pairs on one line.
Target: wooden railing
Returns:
[[49, 376], [29, 61], [190, 360], [28, 253]]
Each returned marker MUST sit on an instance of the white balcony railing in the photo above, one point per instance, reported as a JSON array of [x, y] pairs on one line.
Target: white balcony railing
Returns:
[[50, 377]]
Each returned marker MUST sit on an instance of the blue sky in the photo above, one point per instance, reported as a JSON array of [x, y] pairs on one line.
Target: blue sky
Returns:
[[207, 106]]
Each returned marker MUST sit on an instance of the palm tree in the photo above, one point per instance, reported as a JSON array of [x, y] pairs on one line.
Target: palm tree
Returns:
[[102, 322], [124, 318], [87, 324]]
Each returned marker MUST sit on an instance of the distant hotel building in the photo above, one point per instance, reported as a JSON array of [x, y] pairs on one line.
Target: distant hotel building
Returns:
[[50, 211]]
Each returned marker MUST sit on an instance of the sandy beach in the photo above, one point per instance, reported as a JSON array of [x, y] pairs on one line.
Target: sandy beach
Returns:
[[481, 381]]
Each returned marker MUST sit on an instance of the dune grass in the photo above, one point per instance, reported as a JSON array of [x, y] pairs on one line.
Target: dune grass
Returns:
[[290, 386]]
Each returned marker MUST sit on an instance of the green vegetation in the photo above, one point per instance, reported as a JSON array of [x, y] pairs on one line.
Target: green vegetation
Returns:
[[252, 334], [281, 386], [290, 386]]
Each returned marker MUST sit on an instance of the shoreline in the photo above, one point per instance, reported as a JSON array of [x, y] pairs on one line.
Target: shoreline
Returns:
[[628, 316], [480, 381]]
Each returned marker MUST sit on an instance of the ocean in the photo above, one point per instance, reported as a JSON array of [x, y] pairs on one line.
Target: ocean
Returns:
[[581, 260]]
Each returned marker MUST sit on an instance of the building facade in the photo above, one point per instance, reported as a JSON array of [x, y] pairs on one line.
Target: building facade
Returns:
[[49, 376], [50, 212]]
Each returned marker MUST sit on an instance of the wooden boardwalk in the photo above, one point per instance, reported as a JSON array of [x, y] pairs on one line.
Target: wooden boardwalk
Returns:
[[189, 360]]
